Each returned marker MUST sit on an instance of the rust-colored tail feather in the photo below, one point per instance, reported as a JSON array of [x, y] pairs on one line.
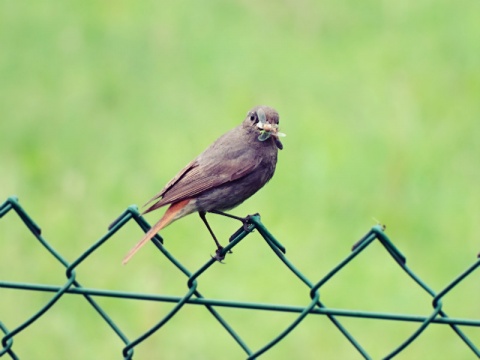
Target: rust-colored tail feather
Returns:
[[166, 219]]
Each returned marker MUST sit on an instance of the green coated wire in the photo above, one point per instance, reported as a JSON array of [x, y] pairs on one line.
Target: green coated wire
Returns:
[[194, 297], [35, 229], [277, 248], [446, 290], [436, 304], [7, 344], [159, 244], [238, 305]]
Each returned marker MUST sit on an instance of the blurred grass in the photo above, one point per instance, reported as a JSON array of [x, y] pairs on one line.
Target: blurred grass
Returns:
[[101, 103]]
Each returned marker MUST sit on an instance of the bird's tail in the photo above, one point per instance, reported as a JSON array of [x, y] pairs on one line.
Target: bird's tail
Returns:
[[167, 218]]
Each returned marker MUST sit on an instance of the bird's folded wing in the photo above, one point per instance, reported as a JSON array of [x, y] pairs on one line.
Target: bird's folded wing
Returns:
[[195, 179], [172, 182]]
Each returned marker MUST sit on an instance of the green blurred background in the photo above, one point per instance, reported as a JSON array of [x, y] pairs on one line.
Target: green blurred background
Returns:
[[101, 103]]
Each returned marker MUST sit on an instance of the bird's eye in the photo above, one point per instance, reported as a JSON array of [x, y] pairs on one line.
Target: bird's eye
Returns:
[[253, 117]]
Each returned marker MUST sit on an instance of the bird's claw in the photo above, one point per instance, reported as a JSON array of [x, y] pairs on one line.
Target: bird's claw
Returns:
[[245, 227], [246, 222], [218, 255]]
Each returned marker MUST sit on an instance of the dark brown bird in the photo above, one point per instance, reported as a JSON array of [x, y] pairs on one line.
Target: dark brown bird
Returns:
[[233, 168]]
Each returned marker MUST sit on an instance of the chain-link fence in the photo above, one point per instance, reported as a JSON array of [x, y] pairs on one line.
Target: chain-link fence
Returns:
[[193, 296]]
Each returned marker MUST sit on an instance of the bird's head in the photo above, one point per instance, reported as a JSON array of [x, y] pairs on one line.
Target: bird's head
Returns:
[[265, 121]]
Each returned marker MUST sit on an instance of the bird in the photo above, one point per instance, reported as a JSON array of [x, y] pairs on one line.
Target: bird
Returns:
[[229, 171]]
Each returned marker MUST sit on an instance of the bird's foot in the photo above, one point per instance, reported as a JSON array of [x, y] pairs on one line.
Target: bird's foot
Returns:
[[246, 222], [218, 255]]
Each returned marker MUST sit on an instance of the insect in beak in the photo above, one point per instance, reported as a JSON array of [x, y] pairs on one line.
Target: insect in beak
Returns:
[[268, 129]]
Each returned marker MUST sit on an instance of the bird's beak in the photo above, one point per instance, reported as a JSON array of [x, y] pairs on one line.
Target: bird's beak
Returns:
[[276, 136], [278, 143], [270, 130]]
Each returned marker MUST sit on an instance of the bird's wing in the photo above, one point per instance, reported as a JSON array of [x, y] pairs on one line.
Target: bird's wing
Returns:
[[197, 177], [172, 182]]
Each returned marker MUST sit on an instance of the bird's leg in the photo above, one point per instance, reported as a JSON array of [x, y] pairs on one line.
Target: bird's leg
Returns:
[[218, 253], [229, 215], [245, 220]]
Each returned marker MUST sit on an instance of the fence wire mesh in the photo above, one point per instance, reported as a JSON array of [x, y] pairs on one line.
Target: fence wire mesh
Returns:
[[193, 296]]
